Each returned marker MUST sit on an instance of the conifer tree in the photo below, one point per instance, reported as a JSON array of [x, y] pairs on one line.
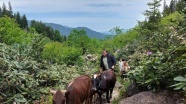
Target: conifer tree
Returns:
[[24, 23], [57, 36], [0, 12], [4, 10], [172, 6], [10, 12], [15, 15], [180, 5], [166, 10], [64, 38], [153, 14], [18, 18], [183, 30]]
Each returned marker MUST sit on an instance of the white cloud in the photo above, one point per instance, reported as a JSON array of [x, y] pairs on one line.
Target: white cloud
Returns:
[[96, 14], [40, 6]]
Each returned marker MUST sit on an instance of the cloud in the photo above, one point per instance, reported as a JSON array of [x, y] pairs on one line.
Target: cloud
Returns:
[[95, 14], [43, 6], [76, 14], [105, 5]]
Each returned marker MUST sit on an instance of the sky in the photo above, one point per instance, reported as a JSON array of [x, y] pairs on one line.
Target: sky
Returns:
[[98, 15]]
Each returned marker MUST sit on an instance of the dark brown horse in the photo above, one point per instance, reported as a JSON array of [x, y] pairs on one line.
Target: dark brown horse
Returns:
[[104, 82], [77, 92]]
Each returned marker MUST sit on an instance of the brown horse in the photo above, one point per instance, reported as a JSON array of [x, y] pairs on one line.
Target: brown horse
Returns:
[[104, 82], [77, 92]]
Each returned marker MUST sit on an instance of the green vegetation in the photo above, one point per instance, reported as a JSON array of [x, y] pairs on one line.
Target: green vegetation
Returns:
[[10, 33], [37, 58], [167, 45], [47, 31], [56, 52]]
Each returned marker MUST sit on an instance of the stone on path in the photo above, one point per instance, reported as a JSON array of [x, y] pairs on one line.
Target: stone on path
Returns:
[[148, 97]]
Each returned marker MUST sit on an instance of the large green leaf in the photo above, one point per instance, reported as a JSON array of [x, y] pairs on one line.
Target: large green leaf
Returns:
[[19, 98], [184, 88], [181, 48], [184, 55], [149, 80], [180, 79], [180, 86]]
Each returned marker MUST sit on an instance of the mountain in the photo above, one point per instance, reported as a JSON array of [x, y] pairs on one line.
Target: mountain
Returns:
[[92, 33], [63, 29], [66, 30]]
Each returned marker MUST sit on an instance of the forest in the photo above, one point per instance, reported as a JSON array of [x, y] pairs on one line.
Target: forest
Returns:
[[36, 58]]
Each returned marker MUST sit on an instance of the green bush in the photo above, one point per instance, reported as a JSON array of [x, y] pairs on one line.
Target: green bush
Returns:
[[56, 52], [167, 61], [11, 33], [180, 80], [159, 69], [24, 79]]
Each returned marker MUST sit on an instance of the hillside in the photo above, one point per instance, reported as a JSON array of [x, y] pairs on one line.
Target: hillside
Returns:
[[66, 30]]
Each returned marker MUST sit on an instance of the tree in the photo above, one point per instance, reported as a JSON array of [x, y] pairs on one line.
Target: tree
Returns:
[[0, 12], [10, 33], [79, 39], [183, 27], [58, 37], [10, 12], [116, 30], [18, 18], [4, 10], [166, 10], [180, 5], [24, 22], [153, 14], [172, 6], [46, 31], [65, 37]]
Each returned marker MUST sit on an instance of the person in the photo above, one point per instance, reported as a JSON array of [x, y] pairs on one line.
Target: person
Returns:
[[121, 68], [126, 68], [120, 63], [107, 61]]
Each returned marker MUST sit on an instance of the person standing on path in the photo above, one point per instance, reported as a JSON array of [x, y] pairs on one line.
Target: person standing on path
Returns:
[[120, 63], [107, 61]]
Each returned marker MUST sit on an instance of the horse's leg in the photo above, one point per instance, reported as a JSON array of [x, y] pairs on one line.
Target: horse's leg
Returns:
[[107, 96], [90, 100], [86, 101], [111, 90], [100, 99], [96, 97]]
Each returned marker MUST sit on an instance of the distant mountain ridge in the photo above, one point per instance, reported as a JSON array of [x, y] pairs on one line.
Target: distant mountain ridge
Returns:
[[64, 30]]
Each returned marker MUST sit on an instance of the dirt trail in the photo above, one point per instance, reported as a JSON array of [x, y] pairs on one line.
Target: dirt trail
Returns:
[[115, 93]]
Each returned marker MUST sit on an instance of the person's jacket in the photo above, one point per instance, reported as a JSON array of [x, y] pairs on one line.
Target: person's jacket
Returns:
[[110, 59]]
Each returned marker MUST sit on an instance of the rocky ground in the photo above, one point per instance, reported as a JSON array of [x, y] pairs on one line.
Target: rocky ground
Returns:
[[147, 97]]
